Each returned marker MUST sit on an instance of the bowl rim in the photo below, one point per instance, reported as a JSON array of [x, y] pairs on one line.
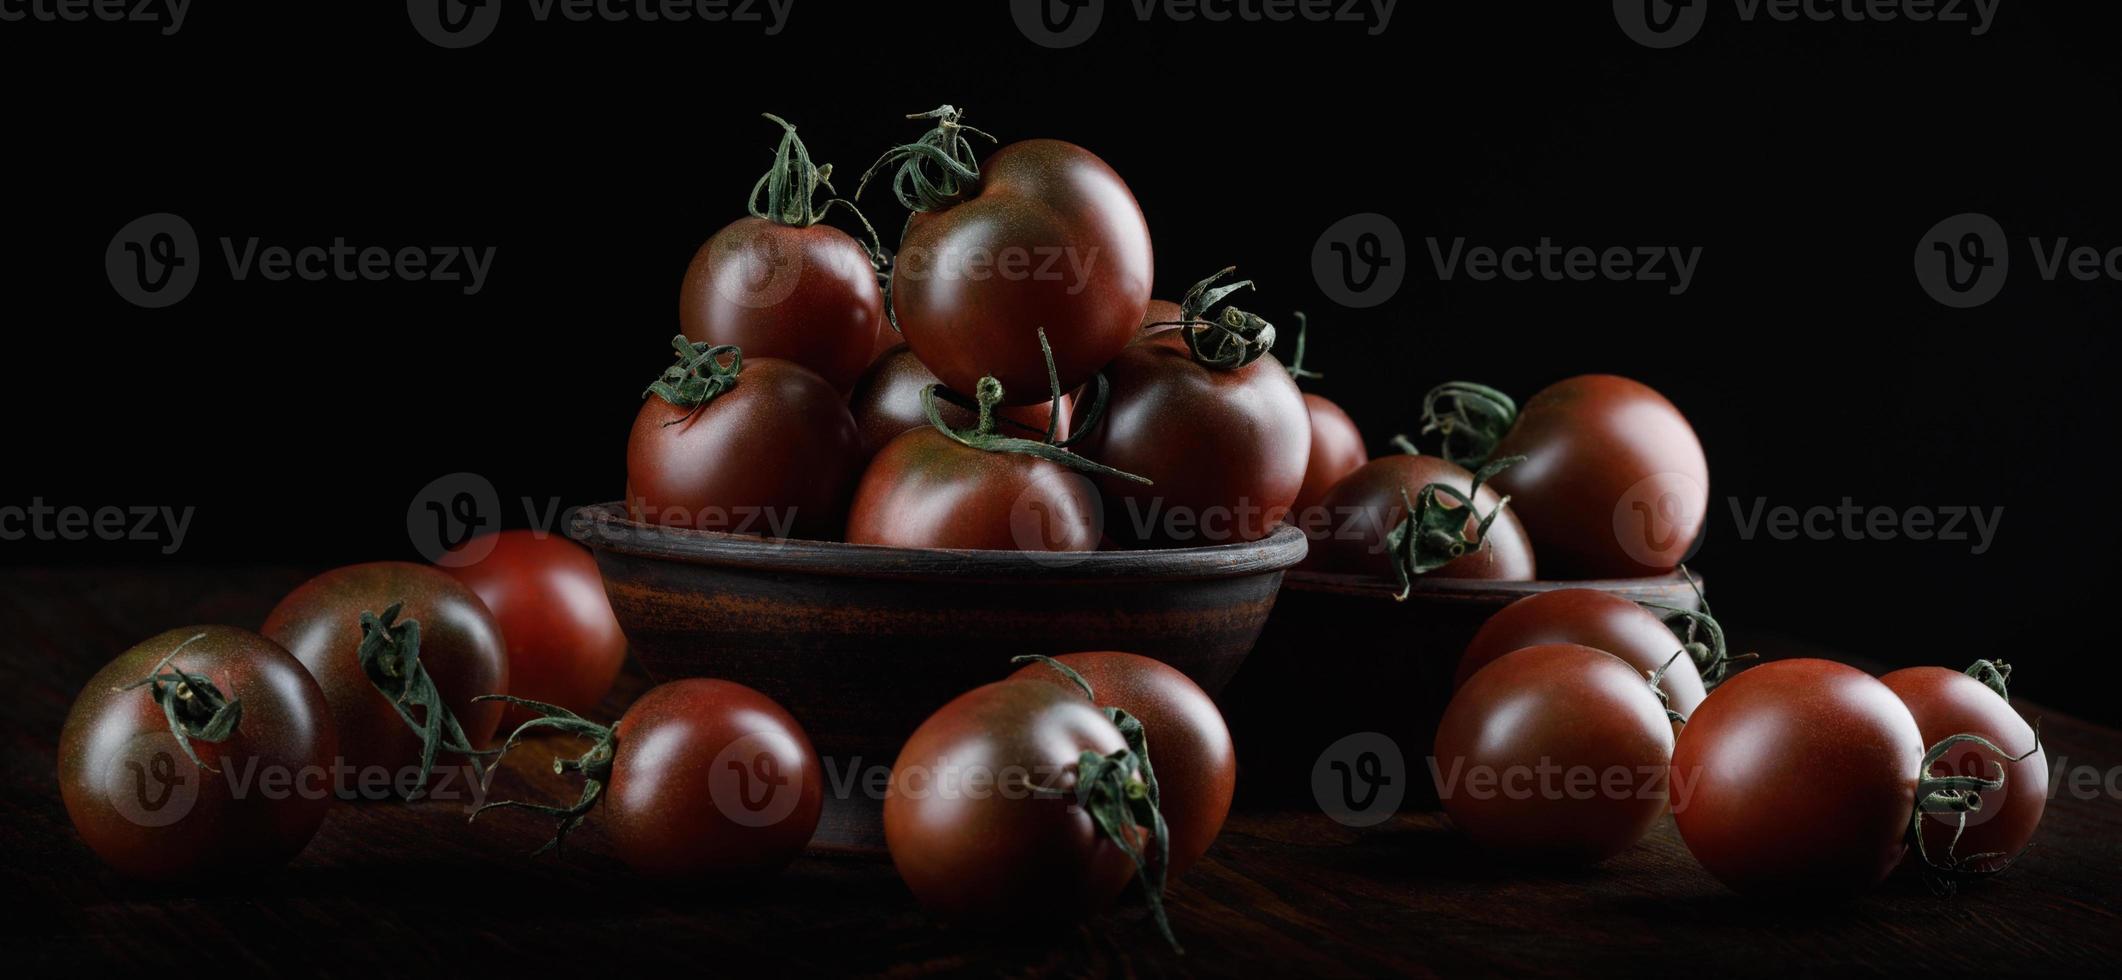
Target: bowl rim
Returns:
[[1670, 588], [605, 527]]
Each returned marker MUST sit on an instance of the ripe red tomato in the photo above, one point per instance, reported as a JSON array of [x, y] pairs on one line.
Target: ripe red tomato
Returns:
[[887, 402], [1163, 314], [699, 777], [1041, 235], [1337, 450], [749, 446], [1555, 753], [982, 817], [564, 643], [457, 647], [1614, 483], [242, 782], [1946, 702], [779, 284], [1798, 776], [927, 490], [1600, 620], [1364, 510], [1188, 742]]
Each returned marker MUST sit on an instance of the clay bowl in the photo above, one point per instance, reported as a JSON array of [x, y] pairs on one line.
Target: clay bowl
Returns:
[[863, 643], [1339, 657]]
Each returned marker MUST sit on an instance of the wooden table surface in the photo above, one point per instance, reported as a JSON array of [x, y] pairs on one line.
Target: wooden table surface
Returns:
[[412, 888]]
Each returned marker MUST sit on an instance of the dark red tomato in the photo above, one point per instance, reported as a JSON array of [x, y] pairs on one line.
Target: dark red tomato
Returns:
[[776, 455], [1162, 315], [257, 792], [888, 340], [982, 820], [926, 490], [1363, 508], [1613, 485], [1188, 742], [564, 643], [887, 402], [1555, 753], [460, 648], [779, 284], [1224, 450], [1337, 451], [1798, 776], [1052, 238], [1946, 703], [1600, 620]]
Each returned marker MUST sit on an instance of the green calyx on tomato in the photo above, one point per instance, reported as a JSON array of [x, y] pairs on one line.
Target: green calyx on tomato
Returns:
[[390, 656], [1237, 338], [595, 765], [699, 376], [1994, 674], [1119, 791], [1959, 795], [791, 190], [1703, 640], [984, 437], [195, 707], [1433, 535], [1469, 418], [955, 167]]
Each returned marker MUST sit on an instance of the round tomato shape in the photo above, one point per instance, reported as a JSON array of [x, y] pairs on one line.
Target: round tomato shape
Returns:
[[1555, 753], [1600, 620], [1948, 702], [1614, 483], [241, 784], [747, 446], [1043, 234], [1188, 742], [982, 816], [564, 643], [1224, 448], [887, 402], [1336, 451], [1359, 518], [780, 284], [1798, 776], [456, 654], [699, 778], [928, 490]]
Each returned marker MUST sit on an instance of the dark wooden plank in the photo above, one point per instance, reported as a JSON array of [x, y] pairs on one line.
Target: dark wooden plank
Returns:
[[412, 887]]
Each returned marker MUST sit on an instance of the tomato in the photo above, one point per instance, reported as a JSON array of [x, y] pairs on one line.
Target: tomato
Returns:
[[749, 446], [887, 402], [982, 815], [1945, 702], [1223, 440], [1337, 445], [927, 490], [564, 643], [1162, 314], [1614, 483], [1600, 620], [1188, 744], [1804, 776], [455, 650], [240, 784], [1363, 525], [699, 777], [779, 284], [1555, 753], [1043, 234]]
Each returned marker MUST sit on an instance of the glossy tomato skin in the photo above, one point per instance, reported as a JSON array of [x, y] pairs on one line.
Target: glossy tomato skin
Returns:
[[1348, 532], [1162, 313], [142, 805], [1797, 777], [1225, 451], [1600, 620], [711, 778], [807, 295], [1052, 238], [925, 490], [1337, 450], [775, 456], [1614, 483], [887, 401], [563, 640], [1947, 703], [1555, 753], [460, 645], [1189, 744]]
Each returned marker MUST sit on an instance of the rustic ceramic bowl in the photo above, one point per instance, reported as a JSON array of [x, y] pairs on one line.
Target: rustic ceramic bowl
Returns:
[[1340, 657], [863, 643]]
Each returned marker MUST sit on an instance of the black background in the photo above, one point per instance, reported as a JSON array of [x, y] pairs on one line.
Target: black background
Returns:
[[1806, 159]]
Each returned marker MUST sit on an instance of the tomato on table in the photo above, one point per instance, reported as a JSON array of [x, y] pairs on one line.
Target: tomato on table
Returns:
[[1945, 702], [563, 640], [1600, 620]]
